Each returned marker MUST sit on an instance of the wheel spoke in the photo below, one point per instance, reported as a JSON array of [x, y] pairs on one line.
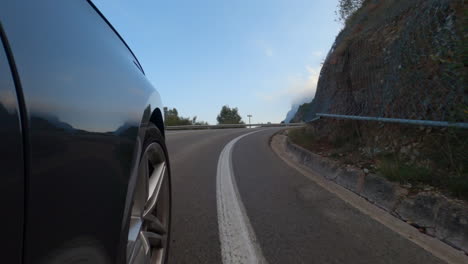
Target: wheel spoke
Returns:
[[141, 253], [154, 239], [155, 182], [155, 225], [134, 230], [141, 189], [155, 179]]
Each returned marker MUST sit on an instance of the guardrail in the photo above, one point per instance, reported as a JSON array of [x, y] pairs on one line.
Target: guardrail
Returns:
[[395, 120], [190, 127], [321, 115]]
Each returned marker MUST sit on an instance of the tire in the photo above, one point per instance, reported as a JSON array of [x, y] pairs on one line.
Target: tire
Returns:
[[150, 214]]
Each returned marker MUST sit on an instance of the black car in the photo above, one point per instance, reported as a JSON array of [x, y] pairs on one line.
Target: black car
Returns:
[[85, 173]]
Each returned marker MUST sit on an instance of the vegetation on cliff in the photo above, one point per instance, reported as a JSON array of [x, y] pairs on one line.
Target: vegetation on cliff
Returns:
[[396, 59]]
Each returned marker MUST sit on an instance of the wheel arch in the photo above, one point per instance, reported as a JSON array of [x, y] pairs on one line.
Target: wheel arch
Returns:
[[158, 119]]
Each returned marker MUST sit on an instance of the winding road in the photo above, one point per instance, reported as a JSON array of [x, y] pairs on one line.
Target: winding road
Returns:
[[236, 201]]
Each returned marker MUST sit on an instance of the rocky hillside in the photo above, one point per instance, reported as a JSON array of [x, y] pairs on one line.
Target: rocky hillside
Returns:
[[400, 59], [397, 58]]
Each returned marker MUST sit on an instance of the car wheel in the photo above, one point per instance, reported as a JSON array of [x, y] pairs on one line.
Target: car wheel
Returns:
[[149, 225]]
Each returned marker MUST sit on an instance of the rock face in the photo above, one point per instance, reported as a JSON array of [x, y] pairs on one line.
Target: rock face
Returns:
[[301, 113], [441, 217], [396, 58]]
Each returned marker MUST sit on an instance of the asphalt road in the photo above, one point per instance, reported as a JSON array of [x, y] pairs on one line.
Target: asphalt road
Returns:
[[281, 217]]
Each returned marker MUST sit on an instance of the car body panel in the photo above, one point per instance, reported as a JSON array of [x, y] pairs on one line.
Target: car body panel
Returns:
[[87, 106], [11, 163]]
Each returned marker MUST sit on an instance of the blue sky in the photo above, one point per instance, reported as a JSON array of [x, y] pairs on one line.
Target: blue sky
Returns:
[[258, 55]]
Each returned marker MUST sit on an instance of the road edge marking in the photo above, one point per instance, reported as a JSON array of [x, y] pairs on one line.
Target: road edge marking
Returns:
[[238, 241], [432, 245]]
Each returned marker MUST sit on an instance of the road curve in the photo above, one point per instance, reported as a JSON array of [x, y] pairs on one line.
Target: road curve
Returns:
[[292, 219]]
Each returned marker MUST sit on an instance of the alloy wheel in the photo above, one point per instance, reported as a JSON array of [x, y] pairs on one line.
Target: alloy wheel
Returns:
[[149, 222]]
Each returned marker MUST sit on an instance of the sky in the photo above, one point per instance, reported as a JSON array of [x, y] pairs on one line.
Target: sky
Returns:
[[260, 56]]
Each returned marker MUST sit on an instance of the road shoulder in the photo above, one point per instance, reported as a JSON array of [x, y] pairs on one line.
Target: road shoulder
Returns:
[[432, 245]]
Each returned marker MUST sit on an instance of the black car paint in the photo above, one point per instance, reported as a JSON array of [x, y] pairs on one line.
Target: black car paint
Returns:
[[11, 164], [87, 104]]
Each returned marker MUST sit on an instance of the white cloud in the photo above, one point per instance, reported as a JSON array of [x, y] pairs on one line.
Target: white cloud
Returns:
[[301, 88]]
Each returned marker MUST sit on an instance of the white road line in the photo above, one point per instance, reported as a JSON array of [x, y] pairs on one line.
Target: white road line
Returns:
[[238, 242]]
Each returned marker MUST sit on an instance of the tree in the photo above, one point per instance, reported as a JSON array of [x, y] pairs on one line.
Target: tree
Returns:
[[229, 116], [172, 118], [346, 8], [198, 123]]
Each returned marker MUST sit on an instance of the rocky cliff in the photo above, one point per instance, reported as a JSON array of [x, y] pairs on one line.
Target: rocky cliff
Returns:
[[397, 58]]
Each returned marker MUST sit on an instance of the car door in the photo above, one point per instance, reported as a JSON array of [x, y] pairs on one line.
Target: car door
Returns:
[[11, 164]]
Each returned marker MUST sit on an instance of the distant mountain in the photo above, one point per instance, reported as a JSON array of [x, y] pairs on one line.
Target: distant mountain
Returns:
[[291, 113]]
